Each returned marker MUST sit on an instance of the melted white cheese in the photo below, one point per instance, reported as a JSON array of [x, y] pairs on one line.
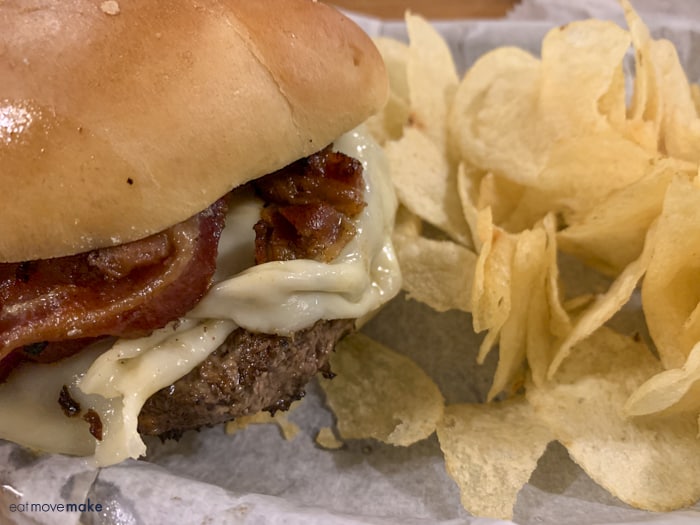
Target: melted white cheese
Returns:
[[277, 297]]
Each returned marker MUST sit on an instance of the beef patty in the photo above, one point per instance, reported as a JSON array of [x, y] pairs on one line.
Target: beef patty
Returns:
[[246, 374]]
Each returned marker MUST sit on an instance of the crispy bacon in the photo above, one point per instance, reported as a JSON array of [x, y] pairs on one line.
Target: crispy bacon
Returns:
[[126, 290], [310, 206]]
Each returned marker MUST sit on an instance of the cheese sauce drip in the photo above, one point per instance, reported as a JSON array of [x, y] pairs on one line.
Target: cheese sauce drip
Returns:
[[278, 297]]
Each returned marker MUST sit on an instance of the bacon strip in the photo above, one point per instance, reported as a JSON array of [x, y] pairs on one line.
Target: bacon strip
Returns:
[[310, 206], [125, 291]]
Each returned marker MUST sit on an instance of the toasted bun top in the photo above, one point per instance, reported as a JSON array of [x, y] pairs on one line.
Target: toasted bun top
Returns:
[[121, 118]]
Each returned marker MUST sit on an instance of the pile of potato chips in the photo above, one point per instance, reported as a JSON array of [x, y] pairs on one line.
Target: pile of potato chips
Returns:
[[498, 174]]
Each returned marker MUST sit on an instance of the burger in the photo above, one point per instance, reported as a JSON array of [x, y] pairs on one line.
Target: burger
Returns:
[[192, 215]]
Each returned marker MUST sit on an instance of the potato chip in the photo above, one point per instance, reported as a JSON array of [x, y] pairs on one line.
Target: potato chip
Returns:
[[647, 463], [680, 131], [395, 56], [611, 235], [585, 169], [580, 61], [539, 341], [590, 52], [511, 211], [613, 104], [407, 223], [662, 97], [670, 391], [425, 185], [491, 452], [326, 439], [281, 419], [548, 321], [559, 321], [605, 305], [388, 124], [432, 79], [695, 93], [582, 171], [437, 273], [378, 393], [491, 295], [467, 180], [515, 298], [671, 288], [478, 190], [645, 112], [528, 275], [494, 121]]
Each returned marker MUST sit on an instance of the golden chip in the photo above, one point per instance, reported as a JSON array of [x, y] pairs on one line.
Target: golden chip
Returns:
[[695, 93], [647, 463], [491, 452], [548, 321], [580, 62], [467, 177], [611, 235], [326, 439], [425, 184], [436, 273], [605, 305], [432, 79], [378, 393], [395, 56], [680, 131], [493, 121], [491, 296], [671, 288], [527, 283], [675, 390], [281, 419], [388, 124], [645, 112], [583, 170], [407, 222]]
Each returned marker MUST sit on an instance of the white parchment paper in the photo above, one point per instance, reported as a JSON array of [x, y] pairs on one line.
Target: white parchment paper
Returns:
[[258, 477]]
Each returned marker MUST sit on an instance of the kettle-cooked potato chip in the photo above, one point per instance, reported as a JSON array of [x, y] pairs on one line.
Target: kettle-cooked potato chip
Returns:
[[493, 121], [581, 171], [648, 463], [611, 235], [388, 124], [605, 305], [491, 295], [378, 393], [528, 277], [580, 62], [425, 183], [437, 273], [671, 288], [491, 452], [671, 391], [432, 79], [288, 428]]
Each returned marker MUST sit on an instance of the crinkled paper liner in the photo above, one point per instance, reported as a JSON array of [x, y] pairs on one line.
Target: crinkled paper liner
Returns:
[[258, 477]]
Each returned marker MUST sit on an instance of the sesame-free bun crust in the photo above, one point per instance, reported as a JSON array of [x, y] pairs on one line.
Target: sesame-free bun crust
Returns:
[[120, 119]]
